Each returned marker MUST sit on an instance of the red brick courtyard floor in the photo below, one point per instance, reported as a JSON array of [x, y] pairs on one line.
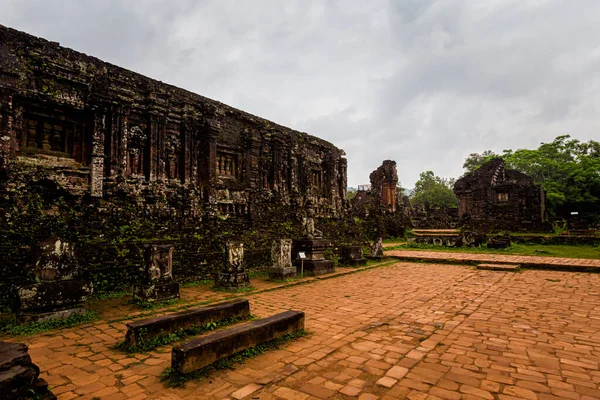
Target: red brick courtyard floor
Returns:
[[406, 330]]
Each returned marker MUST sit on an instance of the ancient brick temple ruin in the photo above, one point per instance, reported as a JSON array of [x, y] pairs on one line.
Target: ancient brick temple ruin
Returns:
[[106, 131], [494, 198], [108, 159], [381, 201], [381, 193]]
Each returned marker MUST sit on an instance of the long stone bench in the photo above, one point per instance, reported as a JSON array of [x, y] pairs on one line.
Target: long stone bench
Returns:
[[203, 351], [151, 327]]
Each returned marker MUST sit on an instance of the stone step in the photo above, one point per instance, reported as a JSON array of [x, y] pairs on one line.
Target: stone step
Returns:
[[165, 324], [499, 267], [436, 231], [427, 234], [203, 351]]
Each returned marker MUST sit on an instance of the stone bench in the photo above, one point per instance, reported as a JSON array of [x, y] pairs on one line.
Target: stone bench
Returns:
[[203, 351], [166, 324]]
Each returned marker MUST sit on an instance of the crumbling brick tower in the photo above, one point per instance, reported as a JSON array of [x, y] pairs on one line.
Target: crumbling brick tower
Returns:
[[384, 181]]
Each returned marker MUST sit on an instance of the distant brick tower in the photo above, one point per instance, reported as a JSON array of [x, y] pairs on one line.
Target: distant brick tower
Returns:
[[384, 181]]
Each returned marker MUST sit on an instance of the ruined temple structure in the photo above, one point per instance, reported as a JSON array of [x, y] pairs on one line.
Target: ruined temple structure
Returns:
[[494, 198], [381, 202], [381, 193], [105, 131], [426, 216]]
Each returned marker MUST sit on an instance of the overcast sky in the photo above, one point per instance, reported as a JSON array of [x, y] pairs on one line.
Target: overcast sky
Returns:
[[422, 82]]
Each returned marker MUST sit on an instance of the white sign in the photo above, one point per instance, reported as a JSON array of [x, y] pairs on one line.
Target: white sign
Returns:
[[301, 255], [574, 212]]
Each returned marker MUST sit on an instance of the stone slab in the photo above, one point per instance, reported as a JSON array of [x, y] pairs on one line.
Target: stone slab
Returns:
[[165, 324], [27, 318], [53, 296], [157, 292], [282, 274], [203, 351], [499, 267], [314, 267], [354, 262]]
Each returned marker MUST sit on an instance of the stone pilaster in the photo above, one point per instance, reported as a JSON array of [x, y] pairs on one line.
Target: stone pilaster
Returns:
[[97, 165], [123, 141], [153, 153], [343, 178], [6, 128]]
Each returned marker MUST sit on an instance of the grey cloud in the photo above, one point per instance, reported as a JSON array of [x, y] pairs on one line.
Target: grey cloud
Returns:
[[424, 82]]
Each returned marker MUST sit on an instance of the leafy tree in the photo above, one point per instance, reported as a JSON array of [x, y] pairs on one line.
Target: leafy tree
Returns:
[[351, 193], [476, 160], [434, 190]]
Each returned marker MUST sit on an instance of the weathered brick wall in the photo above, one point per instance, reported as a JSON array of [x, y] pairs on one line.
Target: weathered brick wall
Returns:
[[109, 159], [494, 198]]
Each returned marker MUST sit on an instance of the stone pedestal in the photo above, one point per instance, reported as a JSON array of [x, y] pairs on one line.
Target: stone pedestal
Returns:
[[281, 254], [19, 376], [156, 292], [58, 294], [233, 275], [352, 255], [315, 262], [158, 285]]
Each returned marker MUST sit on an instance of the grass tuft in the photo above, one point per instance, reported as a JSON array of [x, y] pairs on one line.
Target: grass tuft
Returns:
[[12, 328]]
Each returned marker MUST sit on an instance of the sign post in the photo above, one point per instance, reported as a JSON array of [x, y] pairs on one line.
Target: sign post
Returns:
[[301, 256]]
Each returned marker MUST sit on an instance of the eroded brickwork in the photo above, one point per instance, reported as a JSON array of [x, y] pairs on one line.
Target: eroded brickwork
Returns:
[[495, 198], [110, 160], [126, 133]]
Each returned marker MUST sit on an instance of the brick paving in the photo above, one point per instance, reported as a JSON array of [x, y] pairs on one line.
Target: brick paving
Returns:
[[526, 261], [408, 330]]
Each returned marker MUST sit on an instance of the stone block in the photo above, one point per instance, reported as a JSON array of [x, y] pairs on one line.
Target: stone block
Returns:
[[498, 242], [352, 255], [281, 274], [166, 324], [47, 300], [158, 260], [156, 292], [314, 267], [158, 280], [203, 351], [19, 376], [233, 274], [281, 255]]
